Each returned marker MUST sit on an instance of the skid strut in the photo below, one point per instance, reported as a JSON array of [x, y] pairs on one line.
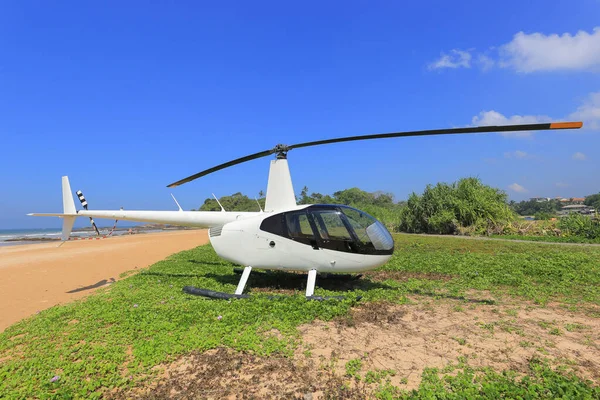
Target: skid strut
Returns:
[[242, 284], [310, 283]]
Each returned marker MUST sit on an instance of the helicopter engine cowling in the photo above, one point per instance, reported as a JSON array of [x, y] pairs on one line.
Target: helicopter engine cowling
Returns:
[[241, 242]]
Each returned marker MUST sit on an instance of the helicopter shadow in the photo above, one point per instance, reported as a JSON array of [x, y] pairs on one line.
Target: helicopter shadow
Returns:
[[218, 264], [96, 285], [284, 281], [172, 275]]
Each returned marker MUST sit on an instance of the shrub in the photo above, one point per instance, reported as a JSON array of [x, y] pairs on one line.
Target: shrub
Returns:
[[449, 208], [580, 225], [543, 216]]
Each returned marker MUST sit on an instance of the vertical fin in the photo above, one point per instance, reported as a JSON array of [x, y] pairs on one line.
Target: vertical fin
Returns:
[[68, 208], [68, 203], [67, 227]]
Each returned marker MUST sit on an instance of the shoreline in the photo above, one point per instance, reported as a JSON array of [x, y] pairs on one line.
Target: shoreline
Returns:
[[33, 236]]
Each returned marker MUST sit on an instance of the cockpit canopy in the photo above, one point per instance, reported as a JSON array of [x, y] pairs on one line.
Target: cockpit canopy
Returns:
[[333, 227]]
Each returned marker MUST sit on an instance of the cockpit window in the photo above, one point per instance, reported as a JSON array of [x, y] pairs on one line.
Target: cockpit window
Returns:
[[298, 225], [330, 225]]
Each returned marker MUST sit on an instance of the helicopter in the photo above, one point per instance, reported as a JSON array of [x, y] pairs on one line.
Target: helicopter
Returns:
[[318, 238]]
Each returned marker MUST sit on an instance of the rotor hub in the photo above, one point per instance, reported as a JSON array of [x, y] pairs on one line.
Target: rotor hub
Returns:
[[281, 151]]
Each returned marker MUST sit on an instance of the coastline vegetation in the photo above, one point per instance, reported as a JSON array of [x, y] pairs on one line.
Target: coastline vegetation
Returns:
[[466, 207]]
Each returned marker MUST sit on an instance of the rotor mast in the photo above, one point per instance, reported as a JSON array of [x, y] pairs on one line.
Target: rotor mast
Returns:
[[280, 191]]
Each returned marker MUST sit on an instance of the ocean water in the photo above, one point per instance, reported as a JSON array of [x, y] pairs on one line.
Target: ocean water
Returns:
[[11, 237]]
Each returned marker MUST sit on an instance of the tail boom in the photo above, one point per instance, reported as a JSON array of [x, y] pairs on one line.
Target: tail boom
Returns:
[[201, 219]]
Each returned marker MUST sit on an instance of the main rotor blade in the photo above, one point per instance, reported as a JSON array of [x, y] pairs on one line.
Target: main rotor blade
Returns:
[[221, 166], [477, 129]]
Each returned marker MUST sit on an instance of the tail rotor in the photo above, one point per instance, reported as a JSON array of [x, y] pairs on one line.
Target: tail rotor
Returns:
[[84, 204]]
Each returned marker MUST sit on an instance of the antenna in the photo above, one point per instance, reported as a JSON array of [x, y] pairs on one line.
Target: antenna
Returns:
[[222, 209], [259, 207], [180, 209]]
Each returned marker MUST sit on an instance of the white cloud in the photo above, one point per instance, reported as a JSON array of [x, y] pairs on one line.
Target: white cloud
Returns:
[[517, 154], [456, 59], [515, 187], [562, 185], [579, 156], [532, 52], [539, 52], [589, 112], [485, 63], [492, 117]]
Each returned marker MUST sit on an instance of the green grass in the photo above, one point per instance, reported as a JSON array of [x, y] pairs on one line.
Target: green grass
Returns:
[[541, 382], [113, 338], [555, 239], [538, 272]]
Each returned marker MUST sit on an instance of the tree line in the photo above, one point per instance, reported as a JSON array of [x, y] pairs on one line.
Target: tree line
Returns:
[[466, 206]]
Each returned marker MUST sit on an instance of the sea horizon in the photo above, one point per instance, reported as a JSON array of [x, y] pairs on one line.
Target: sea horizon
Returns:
[[17, 236]]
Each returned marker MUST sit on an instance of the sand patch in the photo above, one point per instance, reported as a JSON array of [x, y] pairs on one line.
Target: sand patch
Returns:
[[402, 339], [39, 276], [409, 338]]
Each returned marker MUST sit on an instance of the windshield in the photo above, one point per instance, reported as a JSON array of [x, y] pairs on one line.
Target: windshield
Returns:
[[369, 231]]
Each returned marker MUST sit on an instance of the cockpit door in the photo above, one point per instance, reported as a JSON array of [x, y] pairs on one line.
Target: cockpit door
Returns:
[[335, 236]]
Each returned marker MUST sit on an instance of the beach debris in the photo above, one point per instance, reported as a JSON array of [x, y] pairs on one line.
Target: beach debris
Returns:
[[135, 306], [55, 378], [220, 317]]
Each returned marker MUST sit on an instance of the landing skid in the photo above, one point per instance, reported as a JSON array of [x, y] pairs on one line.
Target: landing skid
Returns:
[[212, 294]]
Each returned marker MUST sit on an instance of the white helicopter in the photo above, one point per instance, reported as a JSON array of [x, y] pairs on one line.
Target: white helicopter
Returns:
[[285, 236]]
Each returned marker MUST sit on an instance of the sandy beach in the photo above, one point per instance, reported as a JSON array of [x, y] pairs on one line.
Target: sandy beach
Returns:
[[38, 276]]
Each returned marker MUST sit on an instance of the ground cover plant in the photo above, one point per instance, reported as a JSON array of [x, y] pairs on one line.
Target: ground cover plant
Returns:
[[112, 342]]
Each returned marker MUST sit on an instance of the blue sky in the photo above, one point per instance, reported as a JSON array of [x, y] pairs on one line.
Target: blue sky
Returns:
[[127, 97]]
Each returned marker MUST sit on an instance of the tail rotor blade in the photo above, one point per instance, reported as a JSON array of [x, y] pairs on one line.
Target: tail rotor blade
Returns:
[[84, 204]]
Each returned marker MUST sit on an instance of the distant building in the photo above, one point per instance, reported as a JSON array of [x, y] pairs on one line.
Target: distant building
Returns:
[[563, 200], [576, 208]]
